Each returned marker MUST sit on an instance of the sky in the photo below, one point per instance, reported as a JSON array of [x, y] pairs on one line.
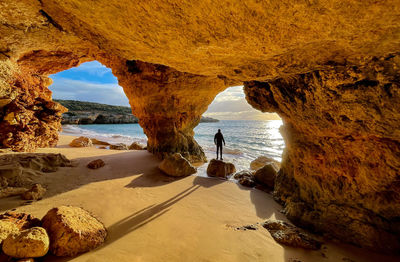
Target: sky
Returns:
[[94, 82]]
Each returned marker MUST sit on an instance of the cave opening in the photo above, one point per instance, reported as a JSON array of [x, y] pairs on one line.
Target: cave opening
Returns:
[[97, 105]]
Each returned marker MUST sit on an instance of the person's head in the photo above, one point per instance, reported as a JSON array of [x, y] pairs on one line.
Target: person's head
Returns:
[[219, 130]]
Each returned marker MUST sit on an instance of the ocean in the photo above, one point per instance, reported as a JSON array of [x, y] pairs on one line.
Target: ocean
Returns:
[[245, 140]]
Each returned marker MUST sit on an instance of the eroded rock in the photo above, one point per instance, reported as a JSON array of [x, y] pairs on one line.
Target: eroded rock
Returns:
[[245, 178], [119, 146], [177, 166], [219, 168], [32, 242], [12, 191], [7, 228], [289, 235], [35, 193], [266, 175], [81, 142], [95, 164], [136, 146], [261, 161], [21, 220], [99, 142], [72, 230]]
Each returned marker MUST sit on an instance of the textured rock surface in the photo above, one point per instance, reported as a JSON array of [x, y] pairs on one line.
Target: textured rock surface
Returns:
[[35, 193], [219, 168], [95, 164], [342, 149], [72, 230], [261, 161], [21, 220], [119, 146], [176, 165], [136, 146], [99, 142], [289, 235], [245, 178], [329, 68], [32, 242], [20, 170], [81, 142], [7, 228], [266, 175]]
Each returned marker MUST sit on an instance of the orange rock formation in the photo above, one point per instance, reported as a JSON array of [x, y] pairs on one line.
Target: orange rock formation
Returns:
[[329, 68]]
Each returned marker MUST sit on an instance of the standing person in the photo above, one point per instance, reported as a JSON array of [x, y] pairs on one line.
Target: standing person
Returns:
[[218, 139]]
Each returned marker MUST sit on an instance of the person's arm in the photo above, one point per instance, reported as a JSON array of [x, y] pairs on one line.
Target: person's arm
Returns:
[[223, 138], [215, 139]]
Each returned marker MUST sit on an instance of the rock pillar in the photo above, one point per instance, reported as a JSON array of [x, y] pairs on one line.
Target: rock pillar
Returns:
[[341, 166]]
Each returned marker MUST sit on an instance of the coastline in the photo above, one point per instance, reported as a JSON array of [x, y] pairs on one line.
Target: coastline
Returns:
[[152, 217]]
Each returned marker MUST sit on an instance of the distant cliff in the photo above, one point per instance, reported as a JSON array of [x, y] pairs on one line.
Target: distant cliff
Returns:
[[84, 113]]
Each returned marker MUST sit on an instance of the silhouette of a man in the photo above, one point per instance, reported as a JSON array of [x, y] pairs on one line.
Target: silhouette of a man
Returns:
[[218, 139]]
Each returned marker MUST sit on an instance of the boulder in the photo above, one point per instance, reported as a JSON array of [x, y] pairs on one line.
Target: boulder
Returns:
[[219, 168], [32, 242], [81, 142], [72, 230], [289, 235], [266, 175], [136, 146], [245, 178], [12, 191], [119, 146], [176, 165], [99, 142], [7, 228], [261, 161], [21, 220], [95, 164], [35, 193]]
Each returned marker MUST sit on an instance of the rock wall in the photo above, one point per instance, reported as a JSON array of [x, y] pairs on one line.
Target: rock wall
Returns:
[[341, 166]]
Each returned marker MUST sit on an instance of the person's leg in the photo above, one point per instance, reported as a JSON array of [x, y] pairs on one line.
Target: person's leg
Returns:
[[220, 152], [217, 151]]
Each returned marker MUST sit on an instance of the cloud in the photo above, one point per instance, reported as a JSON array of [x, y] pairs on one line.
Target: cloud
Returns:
[[111, 94]]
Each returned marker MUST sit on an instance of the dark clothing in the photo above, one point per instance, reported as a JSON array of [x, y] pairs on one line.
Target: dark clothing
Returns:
[[218, 139]]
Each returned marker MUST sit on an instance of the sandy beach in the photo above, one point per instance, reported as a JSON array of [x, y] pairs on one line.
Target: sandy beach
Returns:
[[151, 217]]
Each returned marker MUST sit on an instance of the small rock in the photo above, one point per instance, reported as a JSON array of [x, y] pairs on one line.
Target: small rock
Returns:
[[7, 228], [32, 242], [219, 168], [99, 142], [290, 235], [72, 230], [245, 178], [21, 220], [248, 227], [81, 142], [35, 193], [95, 164], [12, 191], [119, 146], [261, 161], [102, 147], [266, 175], [136, 146], [176, 165]]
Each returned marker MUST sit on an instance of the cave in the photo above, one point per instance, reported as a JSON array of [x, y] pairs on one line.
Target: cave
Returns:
[[331, 72]]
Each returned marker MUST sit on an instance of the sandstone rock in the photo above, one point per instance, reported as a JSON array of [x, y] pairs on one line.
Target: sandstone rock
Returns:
[[289, 235], [102, 147], [20, 170], [261, 161], [245, 178], [81, 142], [266, 175], [32, 242], [136, 146], [219, 168], [176, 165], [99, 142], [95, 164], [21, 220], [12, 191], [7, 228], [35, 193], [72, 230], [119, 146]]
